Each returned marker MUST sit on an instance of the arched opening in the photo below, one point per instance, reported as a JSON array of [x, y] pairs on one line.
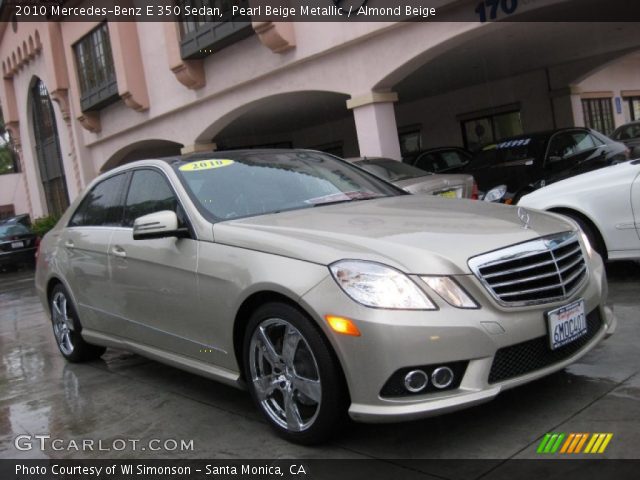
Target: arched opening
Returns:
[[142, 150], [47, 148], [503, 79], [309, 119]]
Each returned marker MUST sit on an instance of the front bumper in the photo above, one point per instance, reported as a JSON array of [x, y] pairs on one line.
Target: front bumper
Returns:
[[393, 340]]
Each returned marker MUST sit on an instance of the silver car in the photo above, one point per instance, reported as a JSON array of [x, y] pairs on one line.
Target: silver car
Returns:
[[322, 289], [629, 134], [415, 180]]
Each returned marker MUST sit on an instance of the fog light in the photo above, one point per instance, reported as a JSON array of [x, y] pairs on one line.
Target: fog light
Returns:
[[415, 381], [442, 377]]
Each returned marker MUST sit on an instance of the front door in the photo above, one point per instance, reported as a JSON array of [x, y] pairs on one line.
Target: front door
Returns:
[[154, 281]]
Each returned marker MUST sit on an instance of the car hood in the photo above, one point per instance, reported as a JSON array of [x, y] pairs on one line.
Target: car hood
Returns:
[[418, 234]]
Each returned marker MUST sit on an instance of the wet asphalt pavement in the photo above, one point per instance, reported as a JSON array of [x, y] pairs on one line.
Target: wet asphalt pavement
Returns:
[[125, 396]]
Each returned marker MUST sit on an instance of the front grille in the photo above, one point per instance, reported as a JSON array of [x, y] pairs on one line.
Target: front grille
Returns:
[[544, 270], [532, 355]]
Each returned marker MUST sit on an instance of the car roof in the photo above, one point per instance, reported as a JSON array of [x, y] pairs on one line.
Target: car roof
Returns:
[[214, 154], [234, 153], [624, 125]]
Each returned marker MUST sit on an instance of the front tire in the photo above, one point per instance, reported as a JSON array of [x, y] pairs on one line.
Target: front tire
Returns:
[[292, 375], [66, 329]]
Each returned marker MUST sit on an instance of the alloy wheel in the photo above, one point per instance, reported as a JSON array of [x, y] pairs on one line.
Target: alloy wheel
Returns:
[[285, 375], [62, 322]]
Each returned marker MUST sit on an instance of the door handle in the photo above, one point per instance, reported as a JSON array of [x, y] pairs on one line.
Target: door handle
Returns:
[[118, 251], [69, 244]]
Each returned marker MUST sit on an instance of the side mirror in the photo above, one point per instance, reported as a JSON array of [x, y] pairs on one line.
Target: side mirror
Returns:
[[158, 225]]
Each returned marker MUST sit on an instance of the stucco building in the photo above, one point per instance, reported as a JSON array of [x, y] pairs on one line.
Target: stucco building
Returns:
[[82, 97]]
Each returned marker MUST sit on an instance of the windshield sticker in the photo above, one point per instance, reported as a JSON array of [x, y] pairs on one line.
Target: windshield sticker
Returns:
[[514, 143], [205, 165]]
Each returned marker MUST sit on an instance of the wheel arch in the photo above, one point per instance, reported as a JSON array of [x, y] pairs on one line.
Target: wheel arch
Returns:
[[51, 284], [586, 219], [262, 297]]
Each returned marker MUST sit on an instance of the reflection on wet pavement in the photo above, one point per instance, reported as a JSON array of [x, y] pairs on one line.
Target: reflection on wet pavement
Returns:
[[125, 396]]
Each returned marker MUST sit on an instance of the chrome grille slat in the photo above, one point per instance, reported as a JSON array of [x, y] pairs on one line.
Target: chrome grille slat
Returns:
[[571, 265], [521, 269], [519, 257], [524, 280], [575, 275], [567, 255], [544, 270], [532, 290]]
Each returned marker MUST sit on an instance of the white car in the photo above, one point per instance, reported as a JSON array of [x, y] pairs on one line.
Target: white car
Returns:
[[605, 203]]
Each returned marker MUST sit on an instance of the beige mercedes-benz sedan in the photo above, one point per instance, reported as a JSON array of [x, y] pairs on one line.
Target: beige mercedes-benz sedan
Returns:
[[319, 287]]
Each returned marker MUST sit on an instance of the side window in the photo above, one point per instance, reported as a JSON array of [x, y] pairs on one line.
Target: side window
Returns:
[[149, 192], [102, 205], [596, 141], [453, 159], [562, 145], [583, 141], [429, 162]]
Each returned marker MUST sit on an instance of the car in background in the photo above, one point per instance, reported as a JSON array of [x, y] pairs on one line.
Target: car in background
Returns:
[[18, 244], [414, 180], [519, 165], [322, 289], [440, 159], [605, 203], [629, 134], [23, 219]]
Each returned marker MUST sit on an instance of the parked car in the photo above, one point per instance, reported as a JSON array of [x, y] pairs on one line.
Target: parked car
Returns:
[[17, 244], [605, 203], [414, 180], [23, 219], [319, 287], [440, 159], [516, 166], [629, 134]]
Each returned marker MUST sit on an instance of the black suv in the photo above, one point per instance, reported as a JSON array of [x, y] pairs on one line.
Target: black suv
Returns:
[[516, 166]]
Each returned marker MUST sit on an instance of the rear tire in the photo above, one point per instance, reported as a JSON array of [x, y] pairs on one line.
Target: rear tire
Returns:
[[293, 375], [66, 329]]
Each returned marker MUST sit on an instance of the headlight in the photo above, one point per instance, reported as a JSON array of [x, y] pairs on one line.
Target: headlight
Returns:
[[376, 285], [587, 244], [450, 291], [495, 194]]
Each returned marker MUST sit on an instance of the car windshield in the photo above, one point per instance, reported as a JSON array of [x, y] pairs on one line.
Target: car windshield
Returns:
[[390, 170], [8, 231], [244, 184], [514, 150]]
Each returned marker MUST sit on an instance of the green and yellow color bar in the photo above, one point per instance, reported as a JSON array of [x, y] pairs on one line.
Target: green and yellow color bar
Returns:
[[574, 443]]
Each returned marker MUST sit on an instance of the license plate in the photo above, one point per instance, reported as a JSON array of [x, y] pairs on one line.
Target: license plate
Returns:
[[566, 324], [17, 244], [450, 193]]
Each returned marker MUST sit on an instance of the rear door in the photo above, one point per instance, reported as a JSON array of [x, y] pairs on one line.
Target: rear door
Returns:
[[84, 244], [154, 280]]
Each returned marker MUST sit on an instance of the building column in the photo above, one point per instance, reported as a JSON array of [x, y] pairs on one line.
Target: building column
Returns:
[[376, 125], [567, 107]]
